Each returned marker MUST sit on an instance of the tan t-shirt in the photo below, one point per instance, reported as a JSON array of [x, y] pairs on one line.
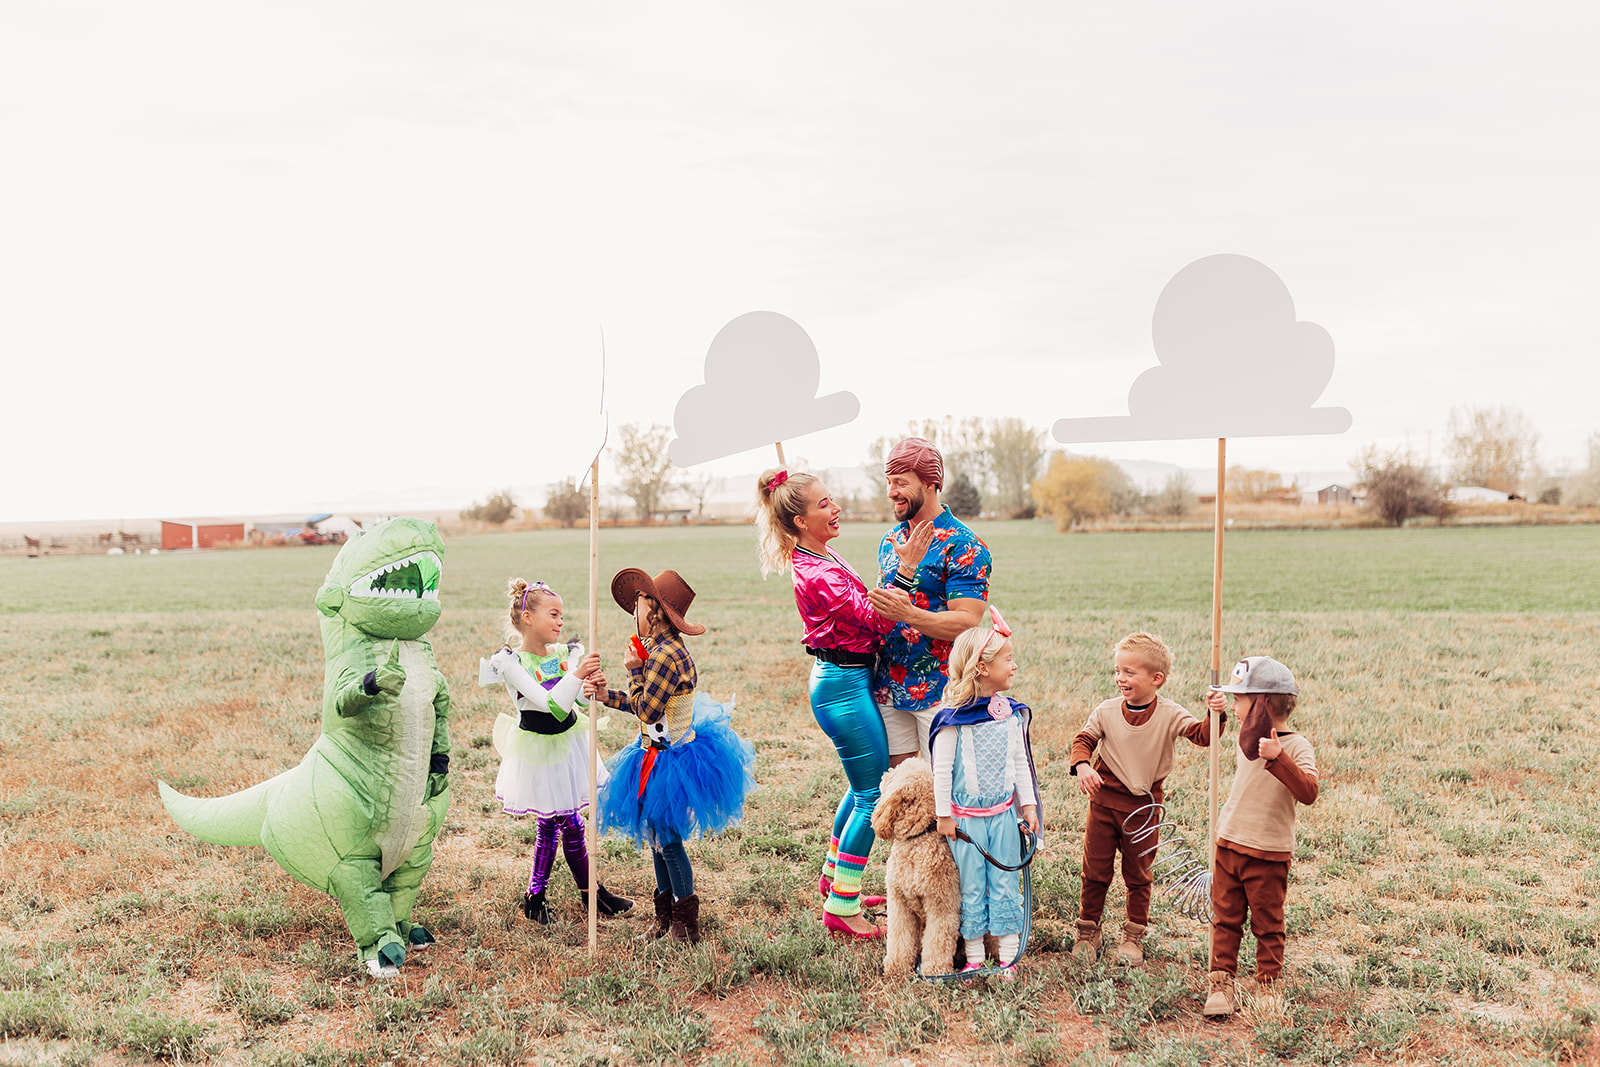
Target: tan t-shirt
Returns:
[[1138, 755], [1260, 811]]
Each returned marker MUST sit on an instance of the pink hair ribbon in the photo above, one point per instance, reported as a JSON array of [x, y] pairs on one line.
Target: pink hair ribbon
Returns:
[[777, 480]]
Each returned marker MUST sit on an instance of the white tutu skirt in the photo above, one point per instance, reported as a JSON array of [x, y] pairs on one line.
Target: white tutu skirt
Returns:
[[543, 774]]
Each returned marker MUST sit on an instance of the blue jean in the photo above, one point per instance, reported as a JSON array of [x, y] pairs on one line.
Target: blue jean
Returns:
[[673, 871]]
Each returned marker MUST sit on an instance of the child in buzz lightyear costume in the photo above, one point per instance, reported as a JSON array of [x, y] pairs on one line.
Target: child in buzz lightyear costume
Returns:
[[544, 751], [688, 772]]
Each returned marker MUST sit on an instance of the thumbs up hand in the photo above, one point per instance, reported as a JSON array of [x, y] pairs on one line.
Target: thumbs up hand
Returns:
[[390, 677], [1269, 748]]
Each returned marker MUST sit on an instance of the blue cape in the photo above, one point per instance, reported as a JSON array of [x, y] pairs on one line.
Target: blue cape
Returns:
[[978, 712]]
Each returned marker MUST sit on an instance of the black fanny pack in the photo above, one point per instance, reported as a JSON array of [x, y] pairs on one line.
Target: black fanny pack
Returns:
[[840, 658]]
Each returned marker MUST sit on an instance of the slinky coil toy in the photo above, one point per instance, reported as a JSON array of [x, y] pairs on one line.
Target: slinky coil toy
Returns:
[[1187, 871]]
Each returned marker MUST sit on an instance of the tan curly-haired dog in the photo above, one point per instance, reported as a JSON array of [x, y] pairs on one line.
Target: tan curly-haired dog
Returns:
[[923, 885]]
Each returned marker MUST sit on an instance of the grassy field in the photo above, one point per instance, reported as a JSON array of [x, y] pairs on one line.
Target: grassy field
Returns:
[[1440, 902]]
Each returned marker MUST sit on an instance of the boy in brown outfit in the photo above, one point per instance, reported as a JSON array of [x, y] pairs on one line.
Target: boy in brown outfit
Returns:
[[1255, 833], [1134, 732]]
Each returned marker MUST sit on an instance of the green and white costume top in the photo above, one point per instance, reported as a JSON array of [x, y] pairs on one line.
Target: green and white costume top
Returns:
[[544, 751]]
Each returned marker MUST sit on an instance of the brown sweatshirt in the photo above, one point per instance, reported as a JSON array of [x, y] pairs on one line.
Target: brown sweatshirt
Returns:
[[1135, 749]]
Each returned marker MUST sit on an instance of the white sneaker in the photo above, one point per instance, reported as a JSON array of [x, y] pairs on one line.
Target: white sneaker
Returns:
[[378, 969]]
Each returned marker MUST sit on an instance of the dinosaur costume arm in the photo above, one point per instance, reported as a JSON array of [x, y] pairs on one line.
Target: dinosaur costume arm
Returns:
[[439, 761], [359, 681]]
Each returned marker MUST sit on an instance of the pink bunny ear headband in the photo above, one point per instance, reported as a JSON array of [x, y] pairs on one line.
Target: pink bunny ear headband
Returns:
[[998, 622]]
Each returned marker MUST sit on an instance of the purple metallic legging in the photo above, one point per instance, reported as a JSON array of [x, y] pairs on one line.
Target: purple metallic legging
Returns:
[[568, 827]]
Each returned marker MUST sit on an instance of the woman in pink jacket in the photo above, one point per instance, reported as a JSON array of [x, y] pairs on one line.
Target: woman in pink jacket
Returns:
[[797, 518]]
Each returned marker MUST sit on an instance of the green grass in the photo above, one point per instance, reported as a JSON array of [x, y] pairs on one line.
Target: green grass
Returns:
[[1439, 905]]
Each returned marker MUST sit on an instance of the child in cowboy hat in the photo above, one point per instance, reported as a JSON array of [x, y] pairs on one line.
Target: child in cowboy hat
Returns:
[[689, 772]]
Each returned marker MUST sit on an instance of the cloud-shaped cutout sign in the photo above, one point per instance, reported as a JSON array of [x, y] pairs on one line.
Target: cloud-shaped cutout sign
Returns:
[[762, 374], [1234, 363]]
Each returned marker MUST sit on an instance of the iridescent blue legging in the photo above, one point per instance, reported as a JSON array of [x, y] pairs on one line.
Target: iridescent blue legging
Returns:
[[841, 699]]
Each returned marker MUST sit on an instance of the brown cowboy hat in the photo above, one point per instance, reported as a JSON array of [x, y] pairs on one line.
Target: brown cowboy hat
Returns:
[[667, 589]]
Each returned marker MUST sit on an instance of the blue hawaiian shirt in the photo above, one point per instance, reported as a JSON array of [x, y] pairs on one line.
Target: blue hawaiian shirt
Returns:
[[912, 668]]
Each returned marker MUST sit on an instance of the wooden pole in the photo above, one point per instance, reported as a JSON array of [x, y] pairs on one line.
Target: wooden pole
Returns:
[[1216, 636], [594, 715], [783, 464]]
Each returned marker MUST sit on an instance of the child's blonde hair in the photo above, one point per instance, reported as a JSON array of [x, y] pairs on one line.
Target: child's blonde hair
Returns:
[[777, 506], [525, 596], [981, 644], [1151, 650], [655, 619]]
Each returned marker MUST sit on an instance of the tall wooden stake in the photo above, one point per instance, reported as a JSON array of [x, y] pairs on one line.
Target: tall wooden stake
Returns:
[[783, 464], [594, 714], [1216, 636]]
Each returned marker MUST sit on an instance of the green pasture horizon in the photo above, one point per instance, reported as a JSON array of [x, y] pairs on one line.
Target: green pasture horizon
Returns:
[[1523, 569]]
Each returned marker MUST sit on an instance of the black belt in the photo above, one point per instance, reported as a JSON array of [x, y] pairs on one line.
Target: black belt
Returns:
[[542, 722], [841, 658]]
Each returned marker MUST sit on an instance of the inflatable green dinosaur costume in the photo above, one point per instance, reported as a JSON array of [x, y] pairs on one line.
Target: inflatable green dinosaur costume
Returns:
[[358, 816]]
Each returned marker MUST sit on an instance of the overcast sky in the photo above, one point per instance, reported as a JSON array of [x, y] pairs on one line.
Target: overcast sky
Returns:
[[266, 257]]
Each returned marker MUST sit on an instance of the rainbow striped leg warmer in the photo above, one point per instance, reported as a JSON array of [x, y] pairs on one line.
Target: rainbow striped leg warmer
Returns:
[[846, 896]]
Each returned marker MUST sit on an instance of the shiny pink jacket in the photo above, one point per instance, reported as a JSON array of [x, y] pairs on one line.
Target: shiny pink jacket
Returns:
[[833, 605]]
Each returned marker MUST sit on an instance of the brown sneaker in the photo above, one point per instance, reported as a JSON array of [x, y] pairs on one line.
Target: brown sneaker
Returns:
[[1219, 999], [1129, 952], [1266, 1004], [1086, 946]]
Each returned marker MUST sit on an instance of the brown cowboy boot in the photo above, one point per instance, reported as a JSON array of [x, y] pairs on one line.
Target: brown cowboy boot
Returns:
[[663, 902], [1220, 1002], [1086, 946], [686, 919], [1129, 952]]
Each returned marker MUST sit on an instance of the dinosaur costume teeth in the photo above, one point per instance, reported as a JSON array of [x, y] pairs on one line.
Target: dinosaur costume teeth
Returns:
[[358, 816], [415, 576]]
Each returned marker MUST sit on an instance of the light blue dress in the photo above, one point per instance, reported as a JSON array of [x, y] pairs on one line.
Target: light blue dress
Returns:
[[988, 767]]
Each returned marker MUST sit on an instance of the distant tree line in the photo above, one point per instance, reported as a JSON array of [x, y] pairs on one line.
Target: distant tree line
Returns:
[[1001, 467]]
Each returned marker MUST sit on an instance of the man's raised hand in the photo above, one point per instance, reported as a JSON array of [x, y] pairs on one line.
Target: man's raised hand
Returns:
[[915, 544], [891, 603]]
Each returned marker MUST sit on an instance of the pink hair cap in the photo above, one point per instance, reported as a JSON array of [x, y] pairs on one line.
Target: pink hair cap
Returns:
[[916, 455]]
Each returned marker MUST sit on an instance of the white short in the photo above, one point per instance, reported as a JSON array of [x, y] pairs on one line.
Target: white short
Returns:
[[907, 730]]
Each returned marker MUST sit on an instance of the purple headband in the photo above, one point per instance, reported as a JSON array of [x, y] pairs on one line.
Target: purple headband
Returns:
[[530, 588]]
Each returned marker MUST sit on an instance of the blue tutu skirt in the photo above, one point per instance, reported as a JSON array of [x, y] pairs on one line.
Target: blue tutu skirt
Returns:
[[696, 787]]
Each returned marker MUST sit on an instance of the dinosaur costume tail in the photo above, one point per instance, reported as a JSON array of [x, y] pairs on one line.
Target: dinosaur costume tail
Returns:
[[235, 819]]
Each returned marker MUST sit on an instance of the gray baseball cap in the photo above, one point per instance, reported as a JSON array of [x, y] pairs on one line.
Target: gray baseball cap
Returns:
[[1260, 674]]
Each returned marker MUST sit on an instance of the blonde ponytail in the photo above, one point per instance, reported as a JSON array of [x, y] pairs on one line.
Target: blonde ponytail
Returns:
[[777, 506]]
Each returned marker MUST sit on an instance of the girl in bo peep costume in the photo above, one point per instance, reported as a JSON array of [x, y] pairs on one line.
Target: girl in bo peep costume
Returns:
[[544, 751], [982, 772]]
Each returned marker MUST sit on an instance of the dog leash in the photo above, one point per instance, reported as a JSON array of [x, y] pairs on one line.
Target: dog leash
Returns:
[[1030, 845]]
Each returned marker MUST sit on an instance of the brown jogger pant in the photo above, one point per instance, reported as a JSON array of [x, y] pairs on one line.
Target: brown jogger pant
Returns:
[[1103, 838], [1259, 886]]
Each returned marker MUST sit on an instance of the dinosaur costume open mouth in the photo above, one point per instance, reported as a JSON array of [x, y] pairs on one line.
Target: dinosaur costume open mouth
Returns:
[[415, 577]]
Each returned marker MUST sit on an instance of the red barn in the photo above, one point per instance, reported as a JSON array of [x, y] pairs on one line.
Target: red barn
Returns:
[[199, 533]]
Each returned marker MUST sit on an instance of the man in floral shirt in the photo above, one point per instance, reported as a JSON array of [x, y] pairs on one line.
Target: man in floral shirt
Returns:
[[946, 598]]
